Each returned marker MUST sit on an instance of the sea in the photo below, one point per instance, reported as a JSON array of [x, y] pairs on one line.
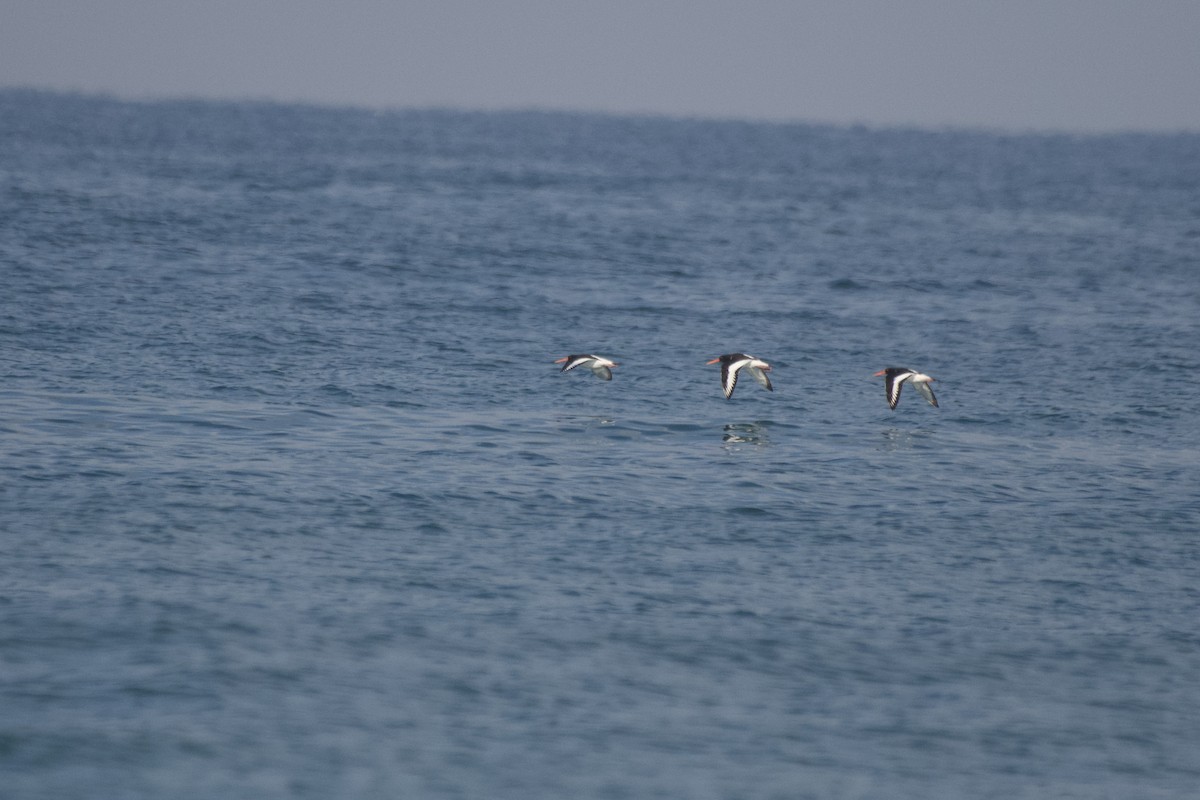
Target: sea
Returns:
[[296, 503]]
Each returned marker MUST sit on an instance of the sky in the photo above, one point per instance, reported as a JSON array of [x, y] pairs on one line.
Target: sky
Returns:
[[1018, 65]]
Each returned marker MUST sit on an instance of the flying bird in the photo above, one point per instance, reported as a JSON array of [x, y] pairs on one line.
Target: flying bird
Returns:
[[601, 367], [733, 363], [894, 379]]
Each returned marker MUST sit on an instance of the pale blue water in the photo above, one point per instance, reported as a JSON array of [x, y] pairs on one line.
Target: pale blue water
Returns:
[[295, 503]]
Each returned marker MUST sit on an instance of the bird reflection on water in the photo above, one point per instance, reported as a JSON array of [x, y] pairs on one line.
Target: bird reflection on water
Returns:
[[752, 433]]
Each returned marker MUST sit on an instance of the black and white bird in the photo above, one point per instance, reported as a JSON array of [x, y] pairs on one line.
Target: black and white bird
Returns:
[[894, 379], [601, 367], [733, 363]]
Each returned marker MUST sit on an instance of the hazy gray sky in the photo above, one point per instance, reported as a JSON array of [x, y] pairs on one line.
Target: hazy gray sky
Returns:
[[1083, 65]]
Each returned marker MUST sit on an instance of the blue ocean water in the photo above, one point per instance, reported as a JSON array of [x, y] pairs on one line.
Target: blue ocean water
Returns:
[[295, 503]]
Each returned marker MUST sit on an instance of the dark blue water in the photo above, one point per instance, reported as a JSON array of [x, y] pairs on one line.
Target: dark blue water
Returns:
[[295, 503]]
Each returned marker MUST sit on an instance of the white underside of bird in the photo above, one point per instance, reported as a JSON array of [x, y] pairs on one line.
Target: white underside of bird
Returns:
[[601, 367]]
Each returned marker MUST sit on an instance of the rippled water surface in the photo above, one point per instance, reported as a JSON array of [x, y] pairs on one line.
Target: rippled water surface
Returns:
[[295, 503]]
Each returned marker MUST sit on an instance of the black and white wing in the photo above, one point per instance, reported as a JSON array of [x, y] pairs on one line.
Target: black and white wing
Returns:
[[762, 377], [600, 370], [926, 392]]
